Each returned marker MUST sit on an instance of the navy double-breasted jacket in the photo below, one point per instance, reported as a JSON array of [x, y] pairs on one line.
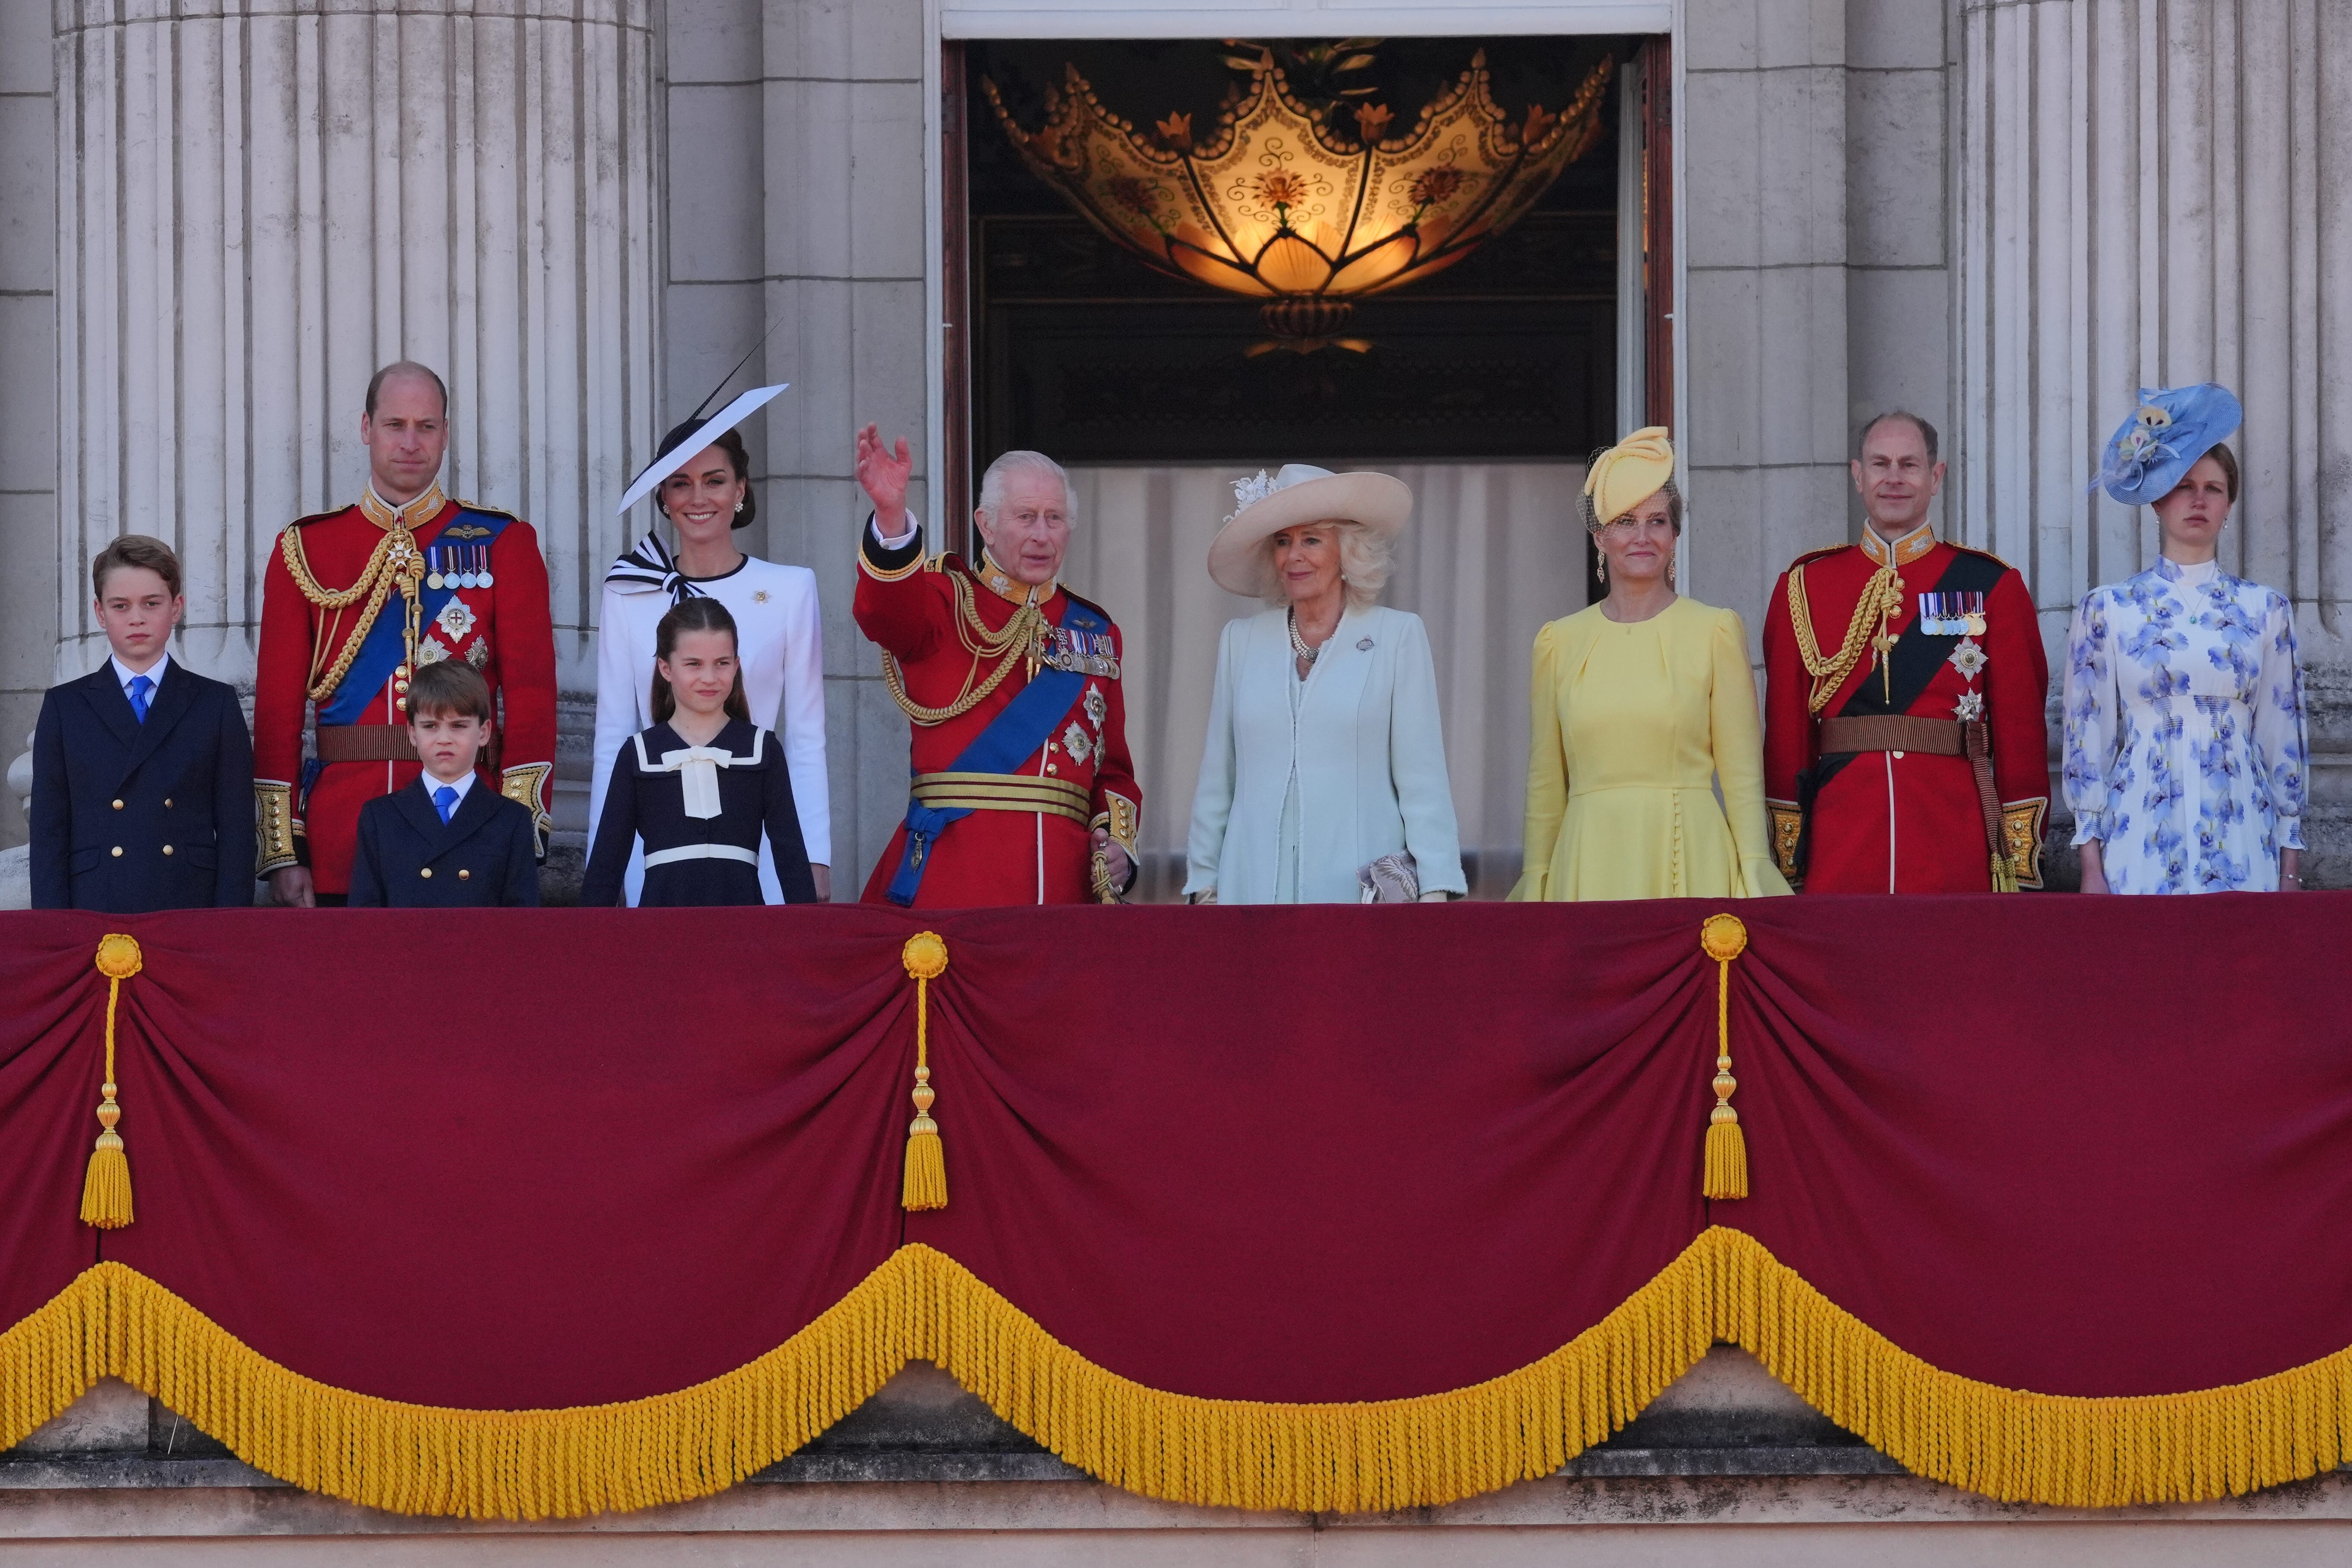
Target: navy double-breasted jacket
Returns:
[[129, 815]]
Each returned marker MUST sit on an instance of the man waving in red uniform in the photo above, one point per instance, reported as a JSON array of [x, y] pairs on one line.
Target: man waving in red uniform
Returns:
[[1904, 748], [1022, 792], [354, 602]]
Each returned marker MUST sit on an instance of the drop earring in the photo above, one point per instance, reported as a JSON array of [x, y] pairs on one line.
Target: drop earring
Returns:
[[1601, 569], [1670, 571], [739, 506]]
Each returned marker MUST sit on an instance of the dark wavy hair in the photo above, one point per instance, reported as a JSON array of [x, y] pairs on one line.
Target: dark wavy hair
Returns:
[[696, 614], [730, 442]]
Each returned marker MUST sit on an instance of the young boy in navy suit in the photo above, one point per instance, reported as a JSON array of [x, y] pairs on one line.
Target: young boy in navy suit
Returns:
[[449, 840], [142, 770]]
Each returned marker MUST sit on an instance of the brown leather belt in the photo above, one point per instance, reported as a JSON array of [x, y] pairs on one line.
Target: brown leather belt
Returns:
[[1894, 732], [365, 744], [1929, 737]]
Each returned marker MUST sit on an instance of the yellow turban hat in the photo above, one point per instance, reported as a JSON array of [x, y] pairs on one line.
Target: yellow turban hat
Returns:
[[1627, 473]]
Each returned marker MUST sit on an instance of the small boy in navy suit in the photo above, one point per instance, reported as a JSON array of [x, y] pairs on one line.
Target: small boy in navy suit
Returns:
[[142, 770], [449, 840]]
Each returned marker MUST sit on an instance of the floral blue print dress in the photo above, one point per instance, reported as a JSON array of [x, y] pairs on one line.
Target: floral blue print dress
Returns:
[[2185, 743]]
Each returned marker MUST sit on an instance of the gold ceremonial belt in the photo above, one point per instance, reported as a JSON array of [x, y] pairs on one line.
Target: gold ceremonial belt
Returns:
[[1002, 791]]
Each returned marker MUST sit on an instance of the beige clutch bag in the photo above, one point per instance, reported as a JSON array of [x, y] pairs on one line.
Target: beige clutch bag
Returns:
[[1391, 879]]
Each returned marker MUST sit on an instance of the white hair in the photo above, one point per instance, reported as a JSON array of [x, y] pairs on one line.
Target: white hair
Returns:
[[991, 483], [1365, 562]]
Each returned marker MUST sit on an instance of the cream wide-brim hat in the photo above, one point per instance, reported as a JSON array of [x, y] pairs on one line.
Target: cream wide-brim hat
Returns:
[[1300, 493]]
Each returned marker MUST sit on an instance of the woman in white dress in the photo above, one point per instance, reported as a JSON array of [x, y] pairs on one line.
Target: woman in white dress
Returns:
[[2185, 742], [706, 499], [1324, 779]]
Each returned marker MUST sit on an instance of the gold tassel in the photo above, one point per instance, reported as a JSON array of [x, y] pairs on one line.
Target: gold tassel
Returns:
[[2004, 875], [925, 1186], [106, 1185], [1722, 938]]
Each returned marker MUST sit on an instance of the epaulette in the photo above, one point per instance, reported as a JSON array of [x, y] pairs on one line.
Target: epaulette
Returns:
[[1817, 554], [486, 510], [1972, 549], [318, 517], [1077, 598]]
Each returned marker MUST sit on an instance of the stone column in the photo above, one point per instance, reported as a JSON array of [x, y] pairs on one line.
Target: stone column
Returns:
[[1763, 119], [263, 200], [2150, 194]]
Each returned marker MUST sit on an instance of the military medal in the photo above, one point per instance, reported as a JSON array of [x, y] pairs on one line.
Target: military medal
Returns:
[[432, 578], [483, 579], [1952, 615]]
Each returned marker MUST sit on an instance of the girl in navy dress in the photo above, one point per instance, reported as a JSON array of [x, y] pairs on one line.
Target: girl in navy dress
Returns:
[[700, 785]]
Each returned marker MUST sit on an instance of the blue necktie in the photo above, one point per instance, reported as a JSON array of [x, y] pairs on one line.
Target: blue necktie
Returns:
[[445, 801], [140, 687]]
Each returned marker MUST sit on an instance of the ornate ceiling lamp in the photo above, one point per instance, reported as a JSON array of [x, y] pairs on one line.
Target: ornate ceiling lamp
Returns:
[[1305, 207]]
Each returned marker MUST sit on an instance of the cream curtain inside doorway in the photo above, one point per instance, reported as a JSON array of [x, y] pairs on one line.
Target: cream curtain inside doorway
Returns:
[[1493, 553]]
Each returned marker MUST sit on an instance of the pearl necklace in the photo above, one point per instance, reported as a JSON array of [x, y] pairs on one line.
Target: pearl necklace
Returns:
[[1299, 644]]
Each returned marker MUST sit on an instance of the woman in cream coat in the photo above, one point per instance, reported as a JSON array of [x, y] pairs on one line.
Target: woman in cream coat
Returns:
[[1643, 703], [1324, 750]]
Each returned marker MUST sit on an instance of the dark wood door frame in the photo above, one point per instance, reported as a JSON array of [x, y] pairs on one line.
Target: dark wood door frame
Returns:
[[955, 479], [1657, 198]]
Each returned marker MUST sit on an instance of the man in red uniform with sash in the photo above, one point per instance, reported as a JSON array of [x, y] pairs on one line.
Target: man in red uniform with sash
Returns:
[[352, 603], [1022, 792], [1904, 748]]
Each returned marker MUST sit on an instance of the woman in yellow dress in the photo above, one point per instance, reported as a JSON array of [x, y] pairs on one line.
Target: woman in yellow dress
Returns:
[[1642, 702]]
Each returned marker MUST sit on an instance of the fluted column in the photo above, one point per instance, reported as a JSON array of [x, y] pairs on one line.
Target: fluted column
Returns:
[[263, 200], [2153, 194]]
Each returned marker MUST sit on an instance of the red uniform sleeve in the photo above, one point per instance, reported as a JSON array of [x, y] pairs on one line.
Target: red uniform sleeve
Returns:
[[523, 636], [898, 604], [2017, 682], [1117, 798], [281, 675], [1787, 720], [2017, 692]]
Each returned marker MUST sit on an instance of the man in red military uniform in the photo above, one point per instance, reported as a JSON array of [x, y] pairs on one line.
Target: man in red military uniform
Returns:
[[1903, 742], [1023, 791], [355, 601]]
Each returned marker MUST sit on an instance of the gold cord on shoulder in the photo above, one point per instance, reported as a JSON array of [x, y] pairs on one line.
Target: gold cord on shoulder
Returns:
[[394, 562], [1022, 638], [1882, 597]]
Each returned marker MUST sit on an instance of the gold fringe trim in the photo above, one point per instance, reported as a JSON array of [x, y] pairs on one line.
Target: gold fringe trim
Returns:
[[2069, 1450], [1340, 1458], [113, 1321]]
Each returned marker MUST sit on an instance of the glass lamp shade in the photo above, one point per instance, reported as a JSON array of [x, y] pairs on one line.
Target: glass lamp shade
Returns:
[[1306, 209]]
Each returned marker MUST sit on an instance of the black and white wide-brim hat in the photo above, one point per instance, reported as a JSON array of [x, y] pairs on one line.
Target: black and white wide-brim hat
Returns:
[[1301, 493]]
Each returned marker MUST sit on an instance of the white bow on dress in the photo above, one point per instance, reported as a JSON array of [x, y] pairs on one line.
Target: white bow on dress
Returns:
[[697, 768]]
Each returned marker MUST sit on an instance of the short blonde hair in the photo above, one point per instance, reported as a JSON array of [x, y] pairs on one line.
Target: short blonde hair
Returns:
[[1365, 562]]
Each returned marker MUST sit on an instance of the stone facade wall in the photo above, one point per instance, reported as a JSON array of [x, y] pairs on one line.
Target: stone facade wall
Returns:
[[36, 580], [2151, 193]]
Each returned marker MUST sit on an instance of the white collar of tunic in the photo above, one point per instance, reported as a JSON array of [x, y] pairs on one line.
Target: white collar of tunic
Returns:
[[697, 768]]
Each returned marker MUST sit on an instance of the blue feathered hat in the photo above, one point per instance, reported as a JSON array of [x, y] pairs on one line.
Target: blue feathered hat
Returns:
[[2171, 428]]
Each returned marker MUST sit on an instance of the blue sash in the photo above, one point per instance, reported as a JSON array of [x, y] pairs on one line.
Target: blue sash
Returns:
[[387, 641], [1012, 737]]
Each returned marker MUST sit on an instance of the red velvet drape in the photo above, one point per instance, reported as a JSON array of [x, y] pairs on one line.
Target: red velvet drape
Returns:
[[520, 1159]]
